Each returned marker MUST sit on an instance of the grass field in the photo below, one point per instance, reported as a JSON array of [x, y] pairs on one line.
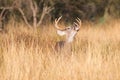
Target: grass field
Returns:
[[26, 54]]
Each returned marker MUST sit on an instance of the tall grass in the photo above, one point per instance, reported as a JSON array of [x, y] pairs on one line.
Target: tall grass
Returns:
[[26, 54]]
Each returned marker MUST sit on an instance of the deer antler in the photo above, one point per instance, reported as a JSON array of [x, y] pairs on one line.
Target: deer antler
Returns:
[[78, 22], [56, 23]]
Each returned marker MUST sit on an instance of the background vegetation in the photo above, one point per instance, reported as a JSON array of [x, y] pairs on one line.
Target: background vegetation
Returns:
[[36, 12], [26, 54]]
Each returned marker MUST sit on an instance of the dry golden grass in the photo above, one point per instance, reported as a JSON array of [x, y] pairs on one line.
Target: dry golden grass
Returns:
[[26, 54]]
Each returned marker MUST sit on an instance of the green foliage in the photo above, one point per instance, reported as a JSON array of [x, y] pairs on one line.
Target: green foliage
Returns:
[[6, 2]]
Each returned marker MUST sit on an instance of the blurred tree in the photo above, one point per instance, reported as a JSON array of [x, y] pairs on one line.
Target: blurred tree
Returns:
[[114, 8], [34, 12]]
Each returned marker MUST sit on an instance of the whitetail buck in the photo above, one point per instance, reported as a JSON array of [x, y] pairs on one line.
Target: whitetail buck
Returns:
[[69, 33]]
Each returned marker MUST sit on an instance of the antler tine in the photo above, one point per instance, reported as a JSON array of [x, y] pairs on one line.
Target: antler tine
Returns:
[[56, 22], [58, 19], [78, 22]]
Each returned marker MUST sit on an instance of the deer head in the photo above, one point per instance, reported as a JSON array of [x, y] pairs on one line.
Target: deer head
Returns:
[[70, 31]]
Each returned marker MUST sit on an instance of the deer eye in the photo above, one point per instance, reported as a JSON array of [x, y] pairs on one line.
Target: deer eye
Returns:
[[68, 28]]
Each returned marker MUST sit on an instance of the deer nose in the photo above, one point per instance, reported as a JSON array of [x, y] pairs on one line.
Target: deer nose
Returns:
[[77, 30]]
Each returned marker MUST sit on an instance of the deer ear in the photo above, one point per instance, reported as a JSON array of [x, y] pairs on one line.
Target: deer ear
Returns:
[[60, 32]]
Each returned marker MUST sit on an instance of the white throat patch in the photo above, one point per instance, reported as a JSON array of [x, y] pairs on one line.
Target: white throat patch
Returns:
[[71, 37]]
